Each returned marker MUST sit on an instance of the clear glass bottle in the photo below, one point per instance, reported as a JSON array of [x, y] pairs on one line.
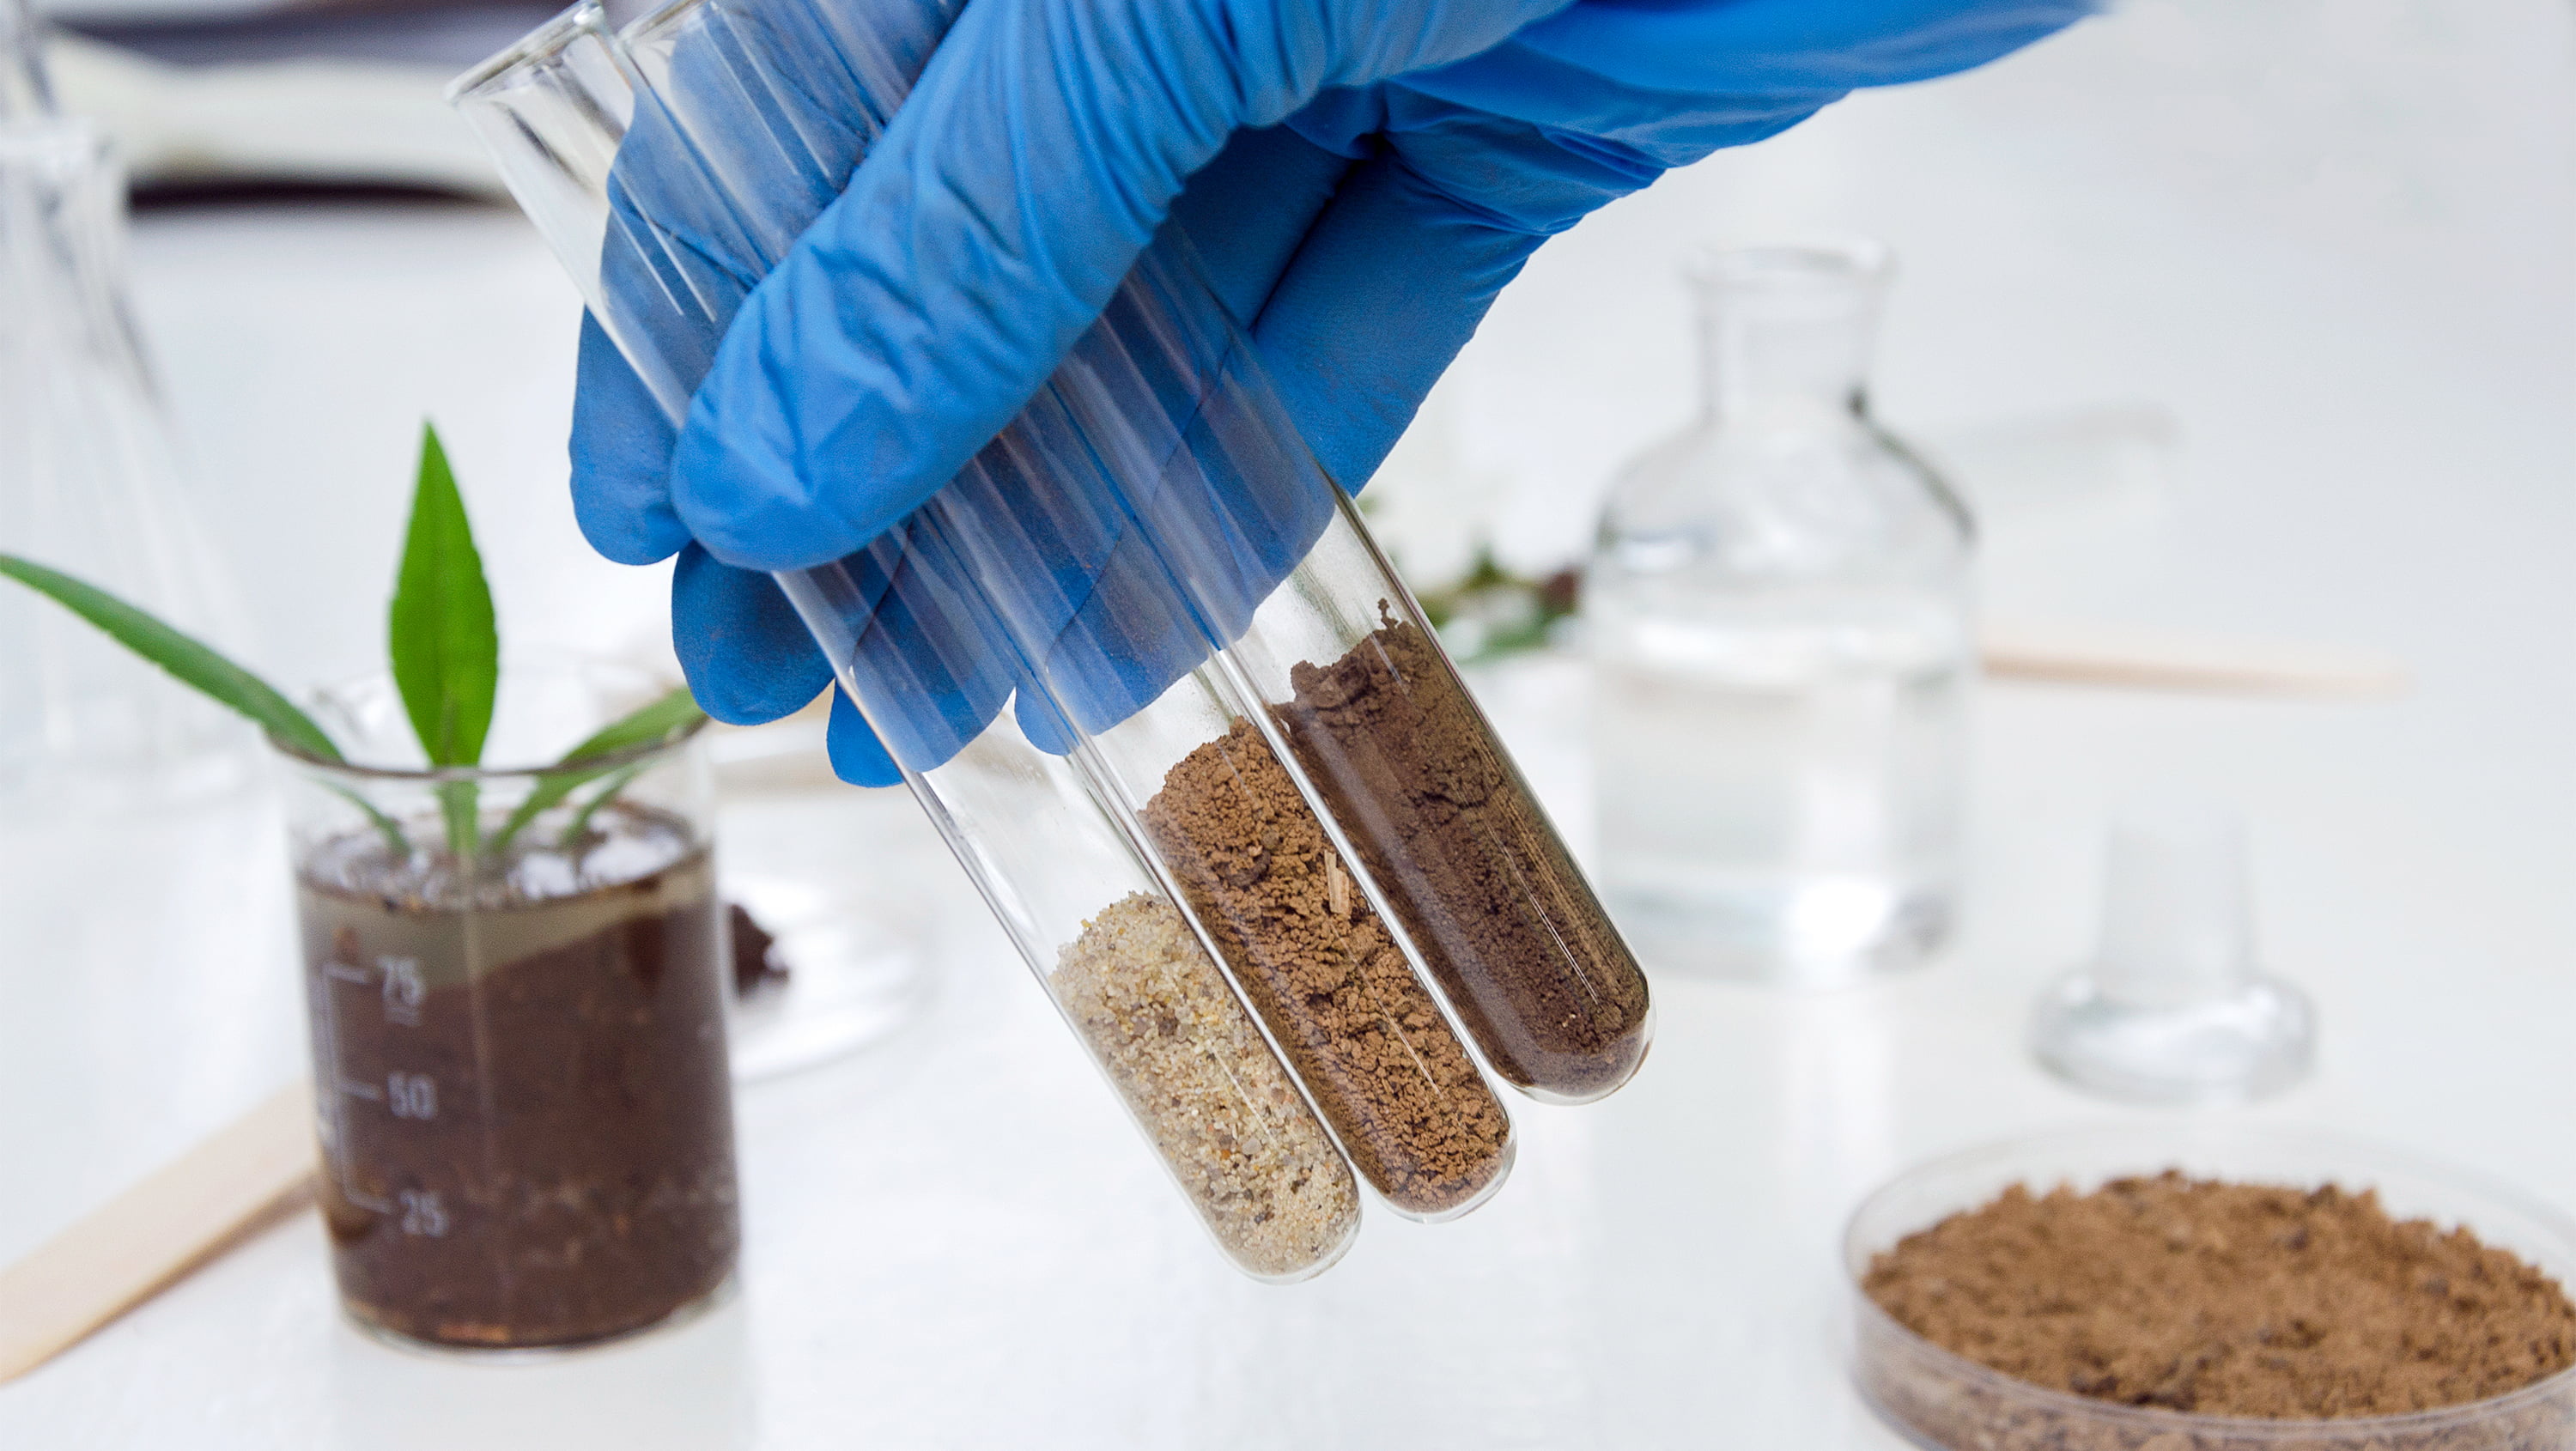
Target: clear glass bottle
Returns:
[[1779, 610]]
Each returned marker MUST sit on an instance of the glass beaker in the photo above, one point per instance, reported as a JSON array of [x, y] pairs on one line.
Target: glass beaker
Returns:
[[1779, 612], [516, 994], [90, 484]]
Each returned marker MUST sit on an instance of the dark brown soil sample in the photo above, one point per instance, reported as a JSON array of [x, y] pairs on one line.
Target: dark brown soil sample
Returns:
[[1363, 1032], [755, 957], [2228, 1300], [530, 1140], [1469, 864]]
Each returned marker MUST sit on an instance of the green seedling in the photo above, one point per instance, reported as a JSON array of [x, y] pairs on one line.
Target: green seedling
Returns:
[[1511, 612], [445, 648]]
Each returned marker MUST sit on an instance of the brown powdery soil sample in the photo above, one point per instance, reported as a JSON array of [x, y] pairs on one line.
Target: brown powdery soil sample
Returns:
[[2227, 1300], [1501, 915], [1363, 1032], [527, 1123], [1193, 1067]]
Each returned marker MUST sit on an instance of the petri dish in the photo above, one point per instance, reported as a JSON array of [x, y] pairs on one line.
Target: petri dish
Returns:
[[1947, 1402]]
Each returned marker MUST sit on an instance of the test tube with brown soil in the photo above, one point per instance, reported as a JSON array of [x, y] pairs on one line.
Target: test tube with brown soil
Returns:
[[1318, 965], [1455, 847], [1468, 863], [519, 1051]]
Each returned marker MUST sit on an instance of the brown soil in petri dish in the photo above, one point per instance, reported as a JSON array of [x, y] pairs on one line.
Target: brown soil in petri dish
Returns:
[[1416, 1117], [530, 1137], [1195, 1071], [1503, 918], [2222, 1299]]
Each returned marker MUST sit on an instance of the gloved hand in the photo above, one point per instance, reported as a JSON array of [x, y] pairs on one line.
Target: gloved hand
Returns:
[[1359, 178]]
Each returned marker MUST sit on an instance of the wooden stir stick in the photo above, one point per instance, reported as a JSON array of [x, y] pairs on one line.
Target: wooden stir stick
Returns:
[[195, 1207]]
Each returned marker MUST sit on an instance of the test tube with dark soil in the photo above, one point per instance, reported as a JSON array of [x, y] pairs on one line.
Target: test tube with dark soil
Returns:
[[519, 1052], [1455, 847], [1468, 863]]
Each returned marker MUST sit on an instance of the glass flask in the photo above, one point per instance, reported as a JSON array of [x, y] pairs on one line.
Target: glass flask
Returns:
[[89, 484], [515, 983], [2173, 1006], [1779, 609]]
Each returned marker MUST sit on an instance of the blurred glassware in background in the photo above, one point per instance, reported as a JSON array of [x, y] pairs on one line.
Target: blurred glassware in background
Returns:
[[833, 875], [206, 97], [90, 484], [24, 90], [2171, 1008], [1779, 611]]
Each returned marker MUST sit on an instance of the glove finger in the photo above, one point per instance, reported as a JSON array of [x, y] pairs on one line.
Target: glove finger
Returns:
[[621, 458], [1676, 82], [858, 757], [747, 655], [1247, 211], [681, 251], [1387, 287], [1771, 46]]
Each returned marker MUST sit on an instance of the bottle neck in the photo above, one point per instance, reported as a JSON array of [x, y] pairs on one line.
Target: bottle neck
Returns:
[[1786, 333], [25, 92]]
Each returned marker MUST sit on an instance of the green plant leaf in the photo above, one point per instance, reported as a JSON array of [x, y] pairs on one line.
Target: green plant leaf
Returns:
[[460, 807], [551, 787], [445, 648], [647, 725], [386, 827], [579, 826], [195, 663]]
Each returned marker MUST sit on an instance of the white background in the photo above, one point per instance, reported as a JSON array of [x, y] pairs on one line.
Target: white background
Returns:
[[2330, 238]]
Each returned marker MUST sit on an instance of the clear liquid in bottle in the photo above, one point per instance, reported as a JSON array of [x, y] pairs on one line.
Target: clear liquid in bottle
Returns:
[[1779, 613]]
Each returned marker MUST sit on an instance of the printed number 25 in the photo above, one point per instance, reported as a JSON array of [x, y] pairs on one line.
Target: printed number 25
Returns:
[[422, 1214]]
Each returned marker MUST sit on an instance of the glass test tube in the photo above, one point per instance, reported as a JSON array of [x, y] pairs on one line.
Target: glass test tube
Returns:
[[1351, 687], [1079, 899]]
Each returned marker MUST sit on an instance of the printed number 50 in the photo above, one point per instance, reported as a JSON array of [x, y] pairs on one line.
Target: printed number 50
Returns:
[[412, 1095]]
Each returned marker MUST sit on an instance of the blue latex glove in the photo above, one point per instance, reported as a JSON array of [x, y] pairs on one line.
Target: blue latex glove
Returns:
[[1360, 178]]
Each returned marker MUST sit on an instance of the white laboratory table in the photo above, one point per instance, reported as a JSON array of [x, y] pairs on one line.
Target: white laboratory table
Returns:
[[2330, 240]]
